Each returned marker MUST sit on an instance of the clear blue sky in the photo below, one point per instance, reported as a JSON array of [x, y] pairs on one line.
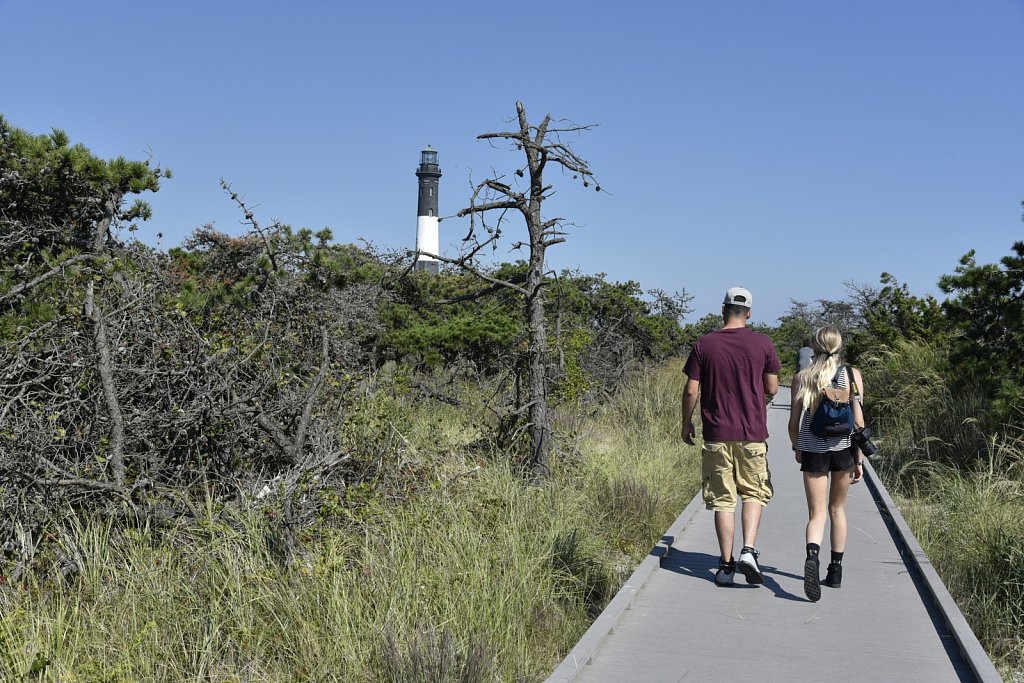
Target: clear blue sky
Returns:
[[739, 142]]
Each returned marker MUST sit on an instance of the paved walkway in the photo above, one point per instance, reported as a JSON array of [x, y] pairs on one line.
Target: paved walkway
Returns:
[[672, 623]]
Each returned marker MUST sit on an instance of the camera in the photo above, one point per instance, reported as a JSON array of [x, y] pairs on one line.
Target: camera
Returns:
[[862, 439]]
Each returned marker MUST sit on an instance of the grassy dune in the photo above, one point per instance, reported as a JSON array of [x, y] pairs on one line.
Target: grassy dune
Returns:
[[477, 576]]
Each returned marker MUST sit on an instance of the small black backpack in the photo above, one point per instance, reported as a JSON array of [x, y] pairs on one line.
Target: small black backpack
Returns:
[[834, 416]]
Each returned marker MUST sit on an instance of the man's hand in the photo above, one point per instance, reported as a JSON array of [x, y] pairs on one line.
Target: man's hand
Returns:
[[688, 433], [690, 394]]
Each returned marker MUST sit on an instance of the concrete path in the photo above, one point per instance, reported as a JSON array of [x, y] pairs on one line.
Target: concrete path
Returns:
[[672, 623]]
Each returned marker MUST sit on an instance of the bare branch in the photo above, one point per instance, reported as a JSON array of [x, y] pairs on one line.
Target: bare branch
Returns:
[[105, 368], [490, 206], [516, 279], [469, 268], [503, 189], [307, 409], [59, 269], [250, 218], [69, 479]]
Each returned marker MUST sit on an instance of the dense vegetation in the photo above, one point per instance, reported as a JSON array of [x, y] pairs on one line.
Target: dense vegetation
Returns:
[[273, 411], [274, 457], [949, 396]]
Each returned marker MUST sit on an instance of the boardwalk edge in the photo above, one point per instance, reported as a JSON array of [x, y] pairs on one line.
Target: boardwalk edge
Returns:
[[974, 654], [588, 645]]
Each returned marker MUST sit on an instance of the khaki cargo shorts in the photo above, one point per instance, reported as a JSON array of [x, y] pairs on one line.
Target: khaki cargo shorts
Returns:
[[732, 468]]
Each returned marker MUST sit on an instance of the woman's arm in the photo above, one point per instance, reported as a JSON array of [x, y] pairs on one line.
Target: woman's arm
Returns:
[[858, 421], [858, 407], [794, 412]]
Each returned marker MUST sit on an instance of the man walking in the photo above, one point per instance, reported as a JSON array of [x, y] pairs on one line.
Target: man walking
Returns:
[[733, 370]]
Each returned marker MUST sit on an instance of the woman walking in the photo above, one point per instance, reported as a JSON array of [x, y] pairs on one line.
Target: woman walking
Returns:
[[830, 463]]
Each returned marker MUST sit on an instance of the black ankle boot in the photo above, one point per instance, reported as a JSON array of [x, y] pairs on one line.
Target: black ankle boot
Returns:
[[834, 578]]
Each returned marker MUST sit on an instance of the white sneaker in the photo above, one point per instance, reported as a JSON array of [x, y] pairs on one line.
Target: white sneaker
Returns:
[[726, 573], [748, 565]]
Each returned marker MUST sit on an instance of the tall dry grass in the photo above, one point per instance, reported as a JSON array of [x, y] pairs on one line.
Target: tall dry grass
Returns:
[[477, 576]]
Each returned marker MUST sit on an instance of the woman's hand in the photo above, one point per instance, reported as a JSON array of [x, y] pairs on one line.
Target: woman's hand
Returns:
[[857, 473], [796, 456]]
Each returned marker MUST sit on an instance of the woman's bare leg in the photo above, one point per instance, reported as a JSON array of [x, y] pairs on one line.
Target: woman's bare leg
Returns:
[[816, 490], [837, 509]]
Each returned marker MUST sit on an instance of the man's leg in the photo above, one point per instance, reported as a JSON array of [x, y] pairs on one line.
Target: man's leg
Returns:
[[753, 481], [719, 489], [751, 521], [725, 528]]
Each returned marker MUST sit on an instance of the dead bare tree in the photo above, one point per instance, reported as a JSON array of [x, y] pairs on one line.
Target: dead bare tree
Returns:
[[543, 145]]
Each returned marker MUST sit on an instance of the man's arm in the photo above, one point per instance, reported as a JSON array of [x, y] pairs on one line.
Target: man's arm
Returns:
[[772, 366], [690, 394]]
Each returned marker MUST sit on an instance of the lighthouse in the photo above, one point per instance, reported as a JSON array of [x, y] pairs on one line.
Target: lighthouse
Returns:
[[426, 215]]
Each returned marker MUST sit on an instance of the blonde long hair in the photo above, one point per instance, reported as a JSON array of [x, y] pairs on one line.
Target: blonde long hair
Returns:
[[827, 343]]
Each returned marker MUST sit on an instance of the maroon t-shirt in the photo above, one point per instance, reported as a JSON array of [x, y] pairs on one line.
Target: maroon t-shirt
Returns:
[[730, 364]]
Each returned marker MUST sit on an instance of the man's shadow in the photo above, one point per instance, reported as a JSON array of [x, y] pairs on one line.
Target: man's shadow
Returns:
[[703, 566]]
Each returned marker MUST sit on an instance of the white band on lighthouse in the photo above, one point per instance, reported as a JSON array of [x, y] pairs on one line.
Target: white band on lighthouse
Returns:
[[427, 237]]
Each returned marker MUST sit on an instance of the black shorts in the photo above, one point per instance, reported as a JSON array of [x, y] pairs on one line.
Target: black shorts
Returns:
[[832, 461]]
